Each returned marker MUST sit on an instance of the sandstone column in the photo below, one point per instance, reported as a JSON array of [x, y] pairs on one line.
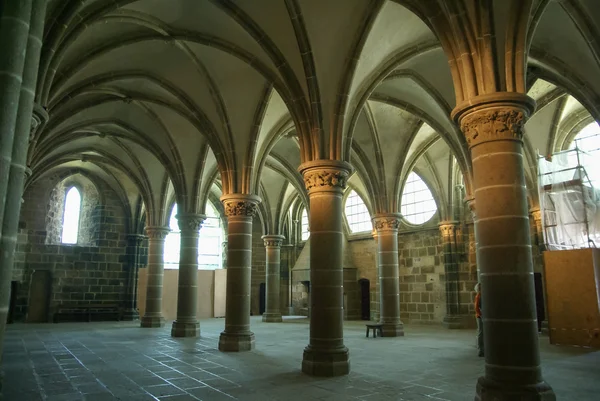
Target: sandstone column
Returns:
[[493, 127], [326, 354], [389, 275], [186, 324], [156, 243], [452, 320], [273, 248], [239, 209], [131, 310]]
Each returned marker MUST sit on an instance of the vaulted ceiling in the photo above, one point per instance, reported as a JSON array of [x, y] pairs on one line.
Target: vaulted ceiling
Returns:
[[173, 100]]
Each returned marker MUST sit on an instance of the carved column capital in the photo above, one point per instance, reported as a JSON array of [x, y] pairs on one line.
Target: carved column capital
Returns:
[[190, 221], [470, 201], [38, 118], [497, 116], [448, 228], [536, 214], [325, 175], [239, 205], [273, 241], [157, 232], [386, 222], [135, 239]]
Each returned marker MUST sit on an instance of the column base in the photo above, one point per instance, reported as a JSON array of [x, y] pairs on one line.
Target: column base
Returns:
[[326, 363], [392, 330], [454, 322], [152, 321], [272, 318], [130, 315], [185, 329], [236, 342], [488, 390]]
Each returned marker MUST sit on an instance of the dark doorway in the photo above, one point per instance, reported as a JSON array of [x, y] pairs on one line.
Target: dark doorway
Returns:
[[365, 299], [39, 296], [262, 298], [539, 299], [13, 301]]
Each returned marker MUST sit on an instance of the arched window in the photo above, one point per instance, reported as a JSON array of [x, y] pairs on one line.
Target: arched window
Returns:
[[304, 223], [418, 205], [588, 140], [172, 242], [70, 226], [357, 214], [209, 242]]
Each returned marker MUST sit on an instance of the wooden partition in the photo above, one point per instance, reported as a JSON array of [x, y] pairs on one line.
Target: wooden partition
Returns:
[[572, 296]]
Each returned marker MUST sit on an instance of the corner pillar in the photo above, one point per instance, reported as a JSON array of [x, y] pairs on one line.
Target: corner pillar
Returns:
[[493, 127], [376, 301], [386, 226], [156, 244], [326, 354], [448, 232], [240, 210], [131, 309], [186, 324], [273, 250]]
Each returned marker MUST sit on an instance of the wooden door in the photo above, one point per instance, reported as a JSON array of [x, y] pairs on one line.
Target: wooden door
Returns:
[[39, 296]]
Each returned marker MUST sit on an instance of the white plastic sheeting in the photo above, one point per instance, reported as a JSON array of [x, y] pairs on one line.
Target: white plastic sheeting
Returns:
[[569, 203]]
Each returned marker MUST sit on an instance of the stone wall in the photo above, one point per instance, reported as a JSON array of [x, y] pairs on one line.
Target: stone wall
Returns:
[[259, 262], [364, 252], [422, 279], [95, 272]]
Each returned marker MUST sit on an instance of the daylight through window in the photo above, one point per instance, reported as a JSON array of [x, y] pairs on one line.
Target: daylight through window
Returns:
[[70, 227], [357, 214], [418, 205], [588, 140], [209, 242], [304, 222]]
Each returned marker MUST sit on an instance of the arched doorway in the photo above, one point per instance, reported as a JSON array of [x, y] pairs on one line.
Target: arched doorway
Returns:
[[365, 299]]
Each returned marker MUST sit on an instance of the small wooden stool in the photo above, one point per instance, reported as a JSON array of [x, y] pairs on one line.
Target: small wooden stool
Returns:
[[376, 327]]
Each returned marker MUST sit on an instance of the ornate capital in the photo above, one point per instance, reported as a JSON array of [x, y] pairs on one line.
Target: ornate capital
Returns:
[[39, 118], [325, 175], [157, 232], [494, 117], [237, 205], [536, 214], [190, 221], [135, 239], [386, 222], [273, 241], [448, 228], [471, 204]]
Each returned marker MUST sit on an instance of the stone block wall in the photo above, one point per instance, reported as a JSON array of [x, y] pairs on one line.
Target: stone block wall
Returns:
[[364, 252], [422, 278], [259, 263], [96, 272]]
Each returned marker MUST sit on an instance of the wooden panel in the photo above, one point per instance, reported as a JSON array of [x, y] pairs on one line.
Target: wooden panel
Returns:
[[572, 296]]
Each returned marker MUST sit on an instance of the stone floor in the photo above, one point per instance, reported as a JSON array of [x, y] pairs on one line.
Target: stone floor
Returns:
[[120, 361]]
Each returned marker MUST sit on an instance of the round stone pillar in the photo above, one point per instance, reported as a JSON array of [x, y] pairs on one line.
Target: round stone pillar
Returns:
[[448, 231], [326, 354], [493, 127], [273, 249], [386, 226], [186, 324], [156, 244], [240, 210]]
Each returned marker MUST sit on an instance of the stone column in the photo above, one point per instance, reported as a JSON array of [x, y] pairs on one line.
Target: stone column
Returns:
[[131, 310], [240, 210], [156, 244], [452, 320], [186, 324], [326, 354], [493, 127], [273, 307], [389, 275], [376, 302]]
